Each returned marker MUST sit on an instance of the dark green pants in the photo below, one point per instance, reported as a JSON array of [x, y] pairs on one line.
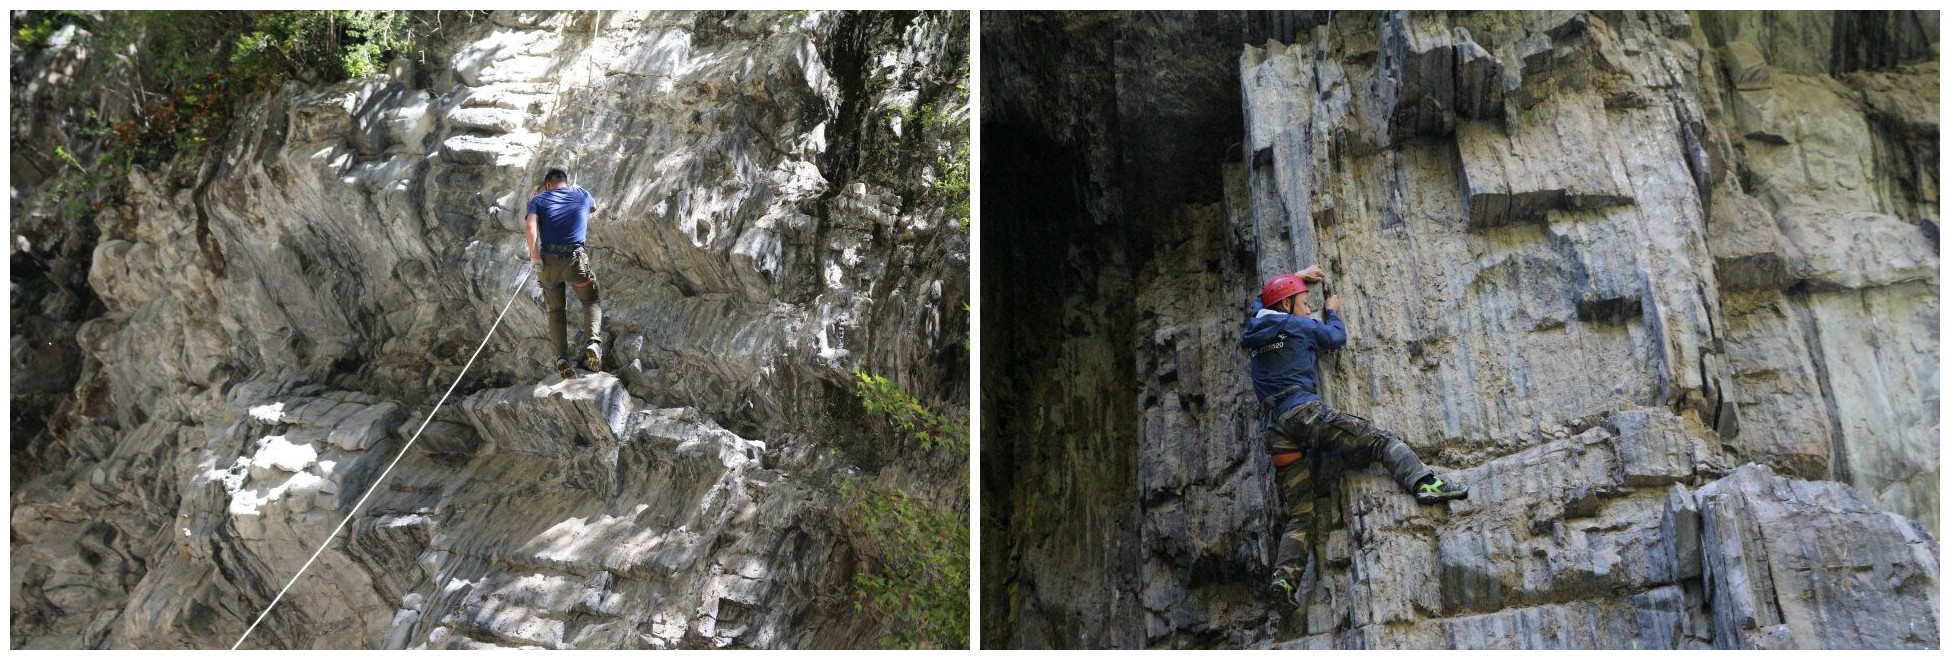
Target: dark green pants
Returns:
[[1313, 427], [570, 271]]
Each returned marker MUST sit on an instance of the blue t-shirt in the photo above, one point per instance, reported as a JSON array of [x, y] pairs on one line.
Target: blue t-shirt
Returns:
[[562, 214]]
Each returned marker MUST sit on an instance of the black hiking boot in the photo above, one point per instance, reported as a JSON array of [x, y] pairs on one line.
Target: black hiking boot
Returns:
[[592, 357], [1432, 490], [562, 367]]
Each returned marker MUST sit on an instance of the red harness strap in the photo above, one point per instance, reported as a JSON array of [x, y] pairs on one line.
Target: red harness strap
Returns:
[[1283, 460]]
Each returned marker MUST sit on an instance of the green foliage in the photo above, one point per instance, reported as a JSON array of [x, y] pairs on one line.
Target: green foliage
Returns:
[[331, 45], [951, 168], [200, 87], [904, 412], [953, 183], [36, 27], [163, 52], [72, 184], [61, 152], [918, 579], [188, 73], [921, 577]]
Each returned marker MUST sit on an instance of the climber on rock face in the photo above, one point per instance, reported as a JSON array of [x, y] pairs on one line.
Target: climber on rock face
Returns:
[[1285, 343], [558, 219]]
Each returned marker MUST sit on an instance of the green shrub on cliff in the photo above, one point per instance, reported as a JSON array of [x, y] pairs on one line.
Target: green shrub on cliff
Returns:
[[327, 45], [954, 184], [187, 73], [882, 397], [917, 579], [35, 27], [951, 168]]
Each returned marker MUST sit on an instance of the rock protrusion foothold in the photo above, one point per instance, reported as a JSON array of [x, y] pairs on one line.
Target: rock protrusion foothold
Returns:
[[1746, 67]]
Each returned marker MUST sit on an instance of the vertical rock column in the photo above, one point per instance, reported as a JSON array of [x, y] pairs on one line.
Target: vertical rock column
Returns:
[[1827, 229]]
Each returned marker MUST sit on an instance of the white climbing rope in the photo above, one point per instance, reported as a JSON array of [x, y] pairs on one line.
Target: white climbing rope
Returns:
[[525, 272]]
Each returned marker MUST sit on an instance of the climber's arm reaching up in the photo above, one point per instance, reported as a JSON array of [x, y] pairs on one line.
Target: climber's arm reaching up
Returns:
[[1333, 332]]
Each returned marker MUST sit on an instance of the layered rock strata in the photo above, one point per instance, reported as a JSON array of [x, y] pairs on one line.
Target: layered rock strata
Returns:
[[256, 334]]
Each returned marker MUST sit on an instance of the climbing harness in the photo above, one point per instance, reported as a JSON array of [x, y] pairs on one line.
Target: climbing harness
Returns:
[[1283, 460], [526, 271], [559, 250]]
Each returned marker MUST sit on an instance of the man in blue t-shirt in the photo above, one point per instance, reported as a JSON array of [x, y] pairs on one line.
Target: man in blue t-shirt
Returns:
[[558, 218], [1286, 345]]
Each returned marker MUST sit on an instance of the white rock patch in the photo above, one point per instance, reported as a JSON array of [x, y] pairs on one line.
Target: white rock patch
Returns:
[[275, 452], [271, 413]]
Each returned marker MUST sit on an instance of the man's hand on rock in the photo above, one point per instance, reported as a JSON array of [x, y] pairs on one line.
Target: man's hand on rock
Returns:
[[1312, 274], [1333, 302]]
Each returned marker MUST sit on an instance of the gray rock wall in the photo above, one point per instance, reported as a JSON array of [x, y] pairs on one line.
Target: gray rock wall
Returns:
[[274, 322], [1653, 284]]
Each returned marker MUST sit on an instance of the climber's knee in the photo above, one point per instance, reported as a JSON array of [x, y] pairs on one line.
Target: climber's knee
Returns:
[[1399, 459], [1381, 442], [1390, 448]]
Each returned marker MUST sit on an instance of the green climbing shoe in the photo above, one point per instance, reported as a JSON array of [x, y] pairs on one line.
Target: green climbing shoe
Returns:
[[1282, 590], [562, 367], [1431, 490]]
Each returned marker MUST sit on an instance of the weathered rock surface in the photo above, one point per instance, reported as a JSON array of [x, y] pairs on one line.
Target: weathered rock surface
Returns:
[[239, 352], [1664, 297]]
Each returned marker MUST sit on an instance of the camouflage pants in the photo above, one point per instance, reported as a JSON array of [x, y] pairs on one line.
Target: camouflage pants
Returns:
[[1313, 427], [570, 270]]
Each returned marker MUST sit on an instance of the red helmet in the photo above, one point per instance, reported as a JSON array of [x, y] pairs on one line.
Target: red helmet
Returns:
[[1281, 288]]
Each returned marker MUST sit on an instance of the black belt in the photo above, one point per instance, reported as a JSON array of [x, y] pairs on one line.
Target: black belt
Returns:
[[561, 250], [1274, 398]]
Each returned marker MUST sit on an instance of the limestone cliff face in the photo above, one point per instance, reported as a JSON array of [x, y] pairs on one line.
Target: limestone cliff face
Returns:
[[1660, 287], [211, 374]]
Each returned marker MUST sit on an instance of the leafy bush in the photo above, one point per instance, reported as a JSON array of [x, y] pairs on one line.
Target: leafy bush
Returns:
[[918, 579], [954, 184], [333, 45], [951, 168], [37, 26], [932, 429], [189, 73]]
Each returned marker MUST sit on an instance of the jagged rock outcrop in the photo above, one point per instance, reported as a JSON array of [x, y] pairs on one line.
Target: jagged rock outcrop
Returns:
[[1661, 287], [252, 338], [562, 515]]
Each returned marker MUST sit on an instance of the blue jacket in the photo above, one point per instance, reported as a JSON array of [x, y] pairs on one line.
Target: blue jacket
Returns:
[[1285, 348]]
